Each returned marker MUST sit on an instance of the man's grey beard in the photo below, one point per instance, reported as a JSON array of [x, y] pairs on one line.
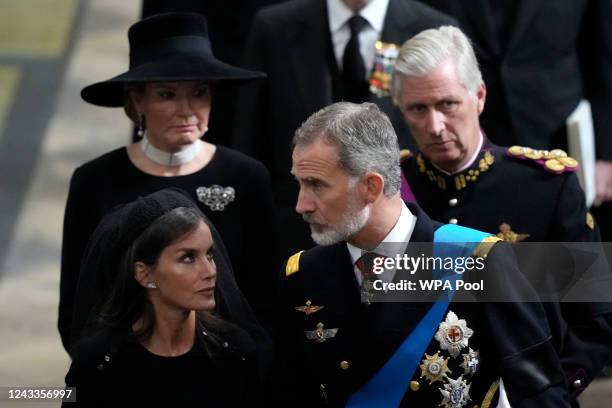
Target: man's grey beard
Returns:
[[351, 223]]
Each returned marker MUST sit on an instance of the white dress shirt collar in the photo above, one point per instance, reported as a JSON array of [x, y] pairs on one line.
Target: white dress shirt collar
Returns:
[[339, 14]]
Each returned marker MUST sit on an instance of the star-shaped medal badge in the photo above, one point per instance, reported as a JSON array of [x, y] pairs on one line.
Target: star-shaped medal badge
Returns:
[[453, 334], [455, 393], [434, 368]]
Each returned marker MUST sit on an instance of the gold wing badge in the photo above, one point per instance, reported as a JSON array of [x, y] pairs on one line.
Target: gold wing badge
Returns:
[[308, 308], [320, 335]]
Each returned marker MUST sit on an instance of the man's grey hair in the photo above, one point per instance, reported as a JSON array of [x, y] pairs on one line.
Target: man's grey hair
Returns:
[[424, 52], [364, 137]]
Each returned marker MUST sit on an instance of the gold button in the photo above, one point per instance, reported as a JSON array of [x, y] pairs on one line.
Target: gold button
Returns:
[[414, 385], [345, 365]]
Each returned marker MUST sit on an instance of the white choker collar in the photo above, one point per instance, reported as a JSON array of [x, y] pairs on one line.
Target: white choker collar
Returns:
[[170, 159]]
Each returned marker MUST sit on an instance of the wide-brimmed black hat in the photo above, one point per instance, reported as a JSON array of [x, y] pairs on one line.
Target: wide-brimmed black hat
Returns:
[[167, 47]]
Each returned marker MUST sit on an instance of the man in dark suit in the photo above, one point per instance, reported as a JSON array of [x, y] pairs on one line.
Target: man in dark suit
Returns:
[[539, 59], [520, 193], [337, 348], [303, 46]]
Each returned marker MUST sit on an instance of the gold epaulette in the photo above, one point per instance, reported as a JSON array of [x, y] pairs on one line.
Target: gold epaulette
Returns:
[[293, 264], [405, 154], [483, 248], [554, 161]]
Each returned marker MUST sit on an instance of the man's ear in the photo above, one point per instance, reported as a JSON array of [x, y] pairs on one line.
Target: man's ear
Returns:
[[142, 274], [371, 186], [481, 97]]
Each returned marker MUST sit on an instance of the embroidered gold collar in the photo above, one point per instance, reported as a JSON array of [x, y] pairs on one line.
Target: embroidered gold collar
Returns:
[[460, 180]]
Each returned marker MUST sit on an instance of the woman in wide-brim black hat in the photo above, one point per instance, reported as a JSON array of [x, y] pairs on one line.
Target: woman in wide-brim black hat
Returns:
[[168, 93]]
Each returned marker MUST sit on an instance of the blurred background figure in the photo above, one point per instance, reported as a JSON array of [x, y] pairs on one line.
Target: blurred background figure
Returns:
[[167, 92], [316, 52]]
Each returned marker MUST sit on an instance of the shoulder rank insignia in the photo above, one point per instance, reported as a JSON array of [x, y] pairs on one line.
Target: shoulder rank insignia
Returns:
[[434, 368], [554, 161], [453, 334], [320, 334], [308, 308], [590, 221], [483, 248], [384, 60], [455, 394], [506, 233], [293, 264], [405, 154]]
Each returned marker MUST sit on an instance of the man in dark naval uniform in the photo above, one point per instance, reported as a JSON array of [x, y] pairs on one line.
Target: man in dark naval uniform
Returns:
[[337, 348], [521, 194]]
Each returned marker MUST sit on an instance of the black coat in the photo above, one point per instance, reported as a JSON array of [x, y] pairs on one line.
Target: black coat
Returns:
[[558, 52], [107, 369], [309, 373], [539, 206], [291, 42]]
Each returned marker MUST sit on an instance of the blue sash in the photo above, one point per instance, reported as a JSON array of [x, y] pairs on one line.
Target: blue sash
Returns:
[[388, 387]]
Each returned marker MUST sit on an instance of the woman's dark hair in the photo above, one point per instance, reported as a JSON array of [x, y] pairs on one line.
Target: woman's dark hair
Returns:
[[128, 301]]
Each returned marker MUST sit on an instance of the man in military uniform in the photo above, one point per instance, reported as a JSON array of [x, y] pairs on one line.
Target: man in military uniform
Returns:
[[521, 194], [337, 348]]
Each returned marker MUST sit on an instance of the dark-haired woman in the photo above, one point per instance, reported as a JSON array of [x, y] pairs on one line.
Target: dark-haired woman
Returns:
[[153, 337], [168, 93]]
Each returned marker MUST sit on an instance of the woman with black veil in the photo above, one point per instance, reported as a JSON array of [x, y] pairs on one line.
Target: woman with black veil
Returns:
[[161, 319]]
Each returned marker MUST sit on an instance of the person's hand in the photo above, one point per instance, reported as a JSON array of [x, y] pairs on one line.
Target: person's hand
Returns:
[[603, 182]]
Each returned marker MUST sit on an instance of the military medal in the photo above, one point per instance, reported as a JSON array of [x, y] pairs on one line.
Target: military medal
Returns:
[[308, 308], [456, 393], [215, 196], [434, 368], [590, 221], [320, 334], [453, 334], [384, 60], [471, 362], [366, 291]]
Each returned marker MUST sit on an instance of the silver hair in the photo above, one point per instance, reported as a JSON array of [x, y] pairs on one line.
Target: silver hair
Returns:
[[364, 137], [427, 50]]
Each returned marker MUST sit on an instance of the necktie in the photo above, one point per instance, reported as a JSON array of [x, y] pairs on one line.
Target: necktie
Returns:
[[365, 264], [353, 67]]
